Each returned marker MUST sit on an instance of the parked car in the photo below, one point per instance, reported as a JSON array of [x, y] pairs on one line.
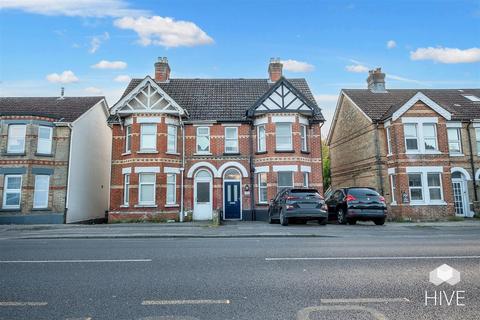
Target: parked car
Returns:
[[297, 204], [357, 204]]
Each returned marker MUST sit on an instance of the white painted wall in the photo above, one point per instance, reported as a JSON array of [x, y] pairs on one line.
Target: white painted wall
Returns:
[[89, 167]]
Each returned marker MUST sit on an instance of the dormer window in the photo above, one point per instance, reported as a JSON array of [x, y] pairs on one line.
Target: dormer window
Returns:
[[471, 97]]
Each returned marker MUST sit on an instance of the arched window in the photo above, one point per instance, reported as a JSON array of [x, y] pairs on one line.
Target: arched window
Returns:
[[203, 174], [457, 175], [232, 174]]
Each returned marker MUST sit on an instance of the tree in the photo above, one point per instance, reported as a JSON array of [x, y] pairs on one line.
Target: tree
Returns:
[[326, 165]]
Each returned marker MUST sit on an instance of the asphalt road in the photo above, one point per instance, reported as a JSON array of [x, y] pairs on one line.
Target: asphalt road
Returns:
[[349, 277]]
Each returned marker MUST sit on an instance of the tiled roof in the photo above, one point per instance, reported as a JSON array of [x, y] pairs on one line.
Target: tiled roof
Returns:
[[68, 108], [221, 99], [381, 106]]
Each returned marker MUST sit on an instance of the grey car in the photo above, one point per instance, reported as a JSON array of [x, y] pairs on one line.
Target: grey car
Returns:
[[297, 204]]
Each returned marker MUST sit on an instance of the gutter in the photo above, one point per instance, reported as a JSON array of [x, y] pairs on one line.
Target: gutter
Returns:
[[472, 163], [377, 160]]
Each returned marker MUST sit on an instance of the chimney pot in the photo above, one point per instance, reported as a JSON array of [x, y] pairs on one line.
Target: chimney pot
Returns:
[[275, 69], [162, 69], [376, 80]]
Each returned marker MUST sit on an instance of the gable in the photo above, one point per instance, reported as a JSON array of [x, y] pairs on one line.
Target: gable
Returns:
[[427, 101], [282, 97], [147, 97]]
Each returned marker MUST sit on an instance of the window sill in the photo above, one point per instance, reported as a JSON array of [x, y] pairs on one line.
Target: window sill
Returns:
[[125, 206], [284, 151], [172, 206], [145, 206], [126, 153], [41, 209], [422, 152], [11, 210], [147, 151], [261, 152], [231, 153], [305, 152], [456, 155], [202, 154], [44, 154], [14, 154], [426, 203], [394, 203], [173, 153]]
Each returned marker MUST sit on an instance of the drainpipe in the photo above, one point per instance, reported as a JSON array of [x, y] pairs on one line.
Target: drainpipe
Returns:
[[182, 169], [472, 165], [377, 159], [252, 173]]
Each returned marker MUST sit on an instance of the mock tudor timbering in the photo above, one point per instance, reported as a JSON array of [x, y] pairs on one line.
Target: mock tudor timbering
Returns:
[[191, 146], [419, 147]]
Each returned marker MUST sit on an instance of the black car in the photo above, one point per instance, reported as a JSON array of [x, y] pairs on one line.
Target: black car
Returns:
[[297, 205], [357, 204]]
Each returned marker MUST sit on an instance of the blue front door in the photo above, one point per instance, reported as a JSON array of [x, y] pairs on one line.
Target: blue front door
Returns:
[[231, 199]]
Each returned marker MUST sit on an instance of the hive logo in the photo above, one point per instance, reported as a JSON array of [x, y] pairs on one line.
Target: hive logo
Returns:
[[444, 274]]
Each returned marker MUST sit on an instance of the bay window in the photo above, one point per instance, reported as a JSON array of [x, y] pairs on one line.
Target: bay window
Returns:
[[231, 140], [203, 140], [393, 187], [16, 138], [303, 136], [434, 186], [262, 187], [284, 180], [44, 141], [126, 189], [415, 186], [305, 179], [389, 145], [425, 185], [40, 193], [454, 140], [171, 188], [411, 136], [283, 135], [146, 189], [128, 139], [430, 136], [420, 134]]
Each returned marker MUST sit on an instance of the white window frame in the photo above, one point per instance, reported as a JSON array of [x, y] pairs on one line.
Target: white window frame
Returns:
[[261, 187], [10, 138], [128, 139], [203, 135], [172, 137], [261, 139], [423, 172], [477, 139], [304, 137], [306, 179], [229, 141], [48, 142], [389, 145], [419, 123], [36, 190], [171, 188], [126, 189], [279, 188], [421, 188], [5, 191], [430, 137], [140, 186], [142, 134], [280, 145], [393, 188], [459, 141]]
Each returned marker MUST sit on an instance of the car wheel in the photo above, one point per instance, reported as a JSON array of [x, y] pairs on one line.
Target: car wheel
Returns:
[[283, 219], [322, 222], [379, 222], [352, 221], [342, 216]]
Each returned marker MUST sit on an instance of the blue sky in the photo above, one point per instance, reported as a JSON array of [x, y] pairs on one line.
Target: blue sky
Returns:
[[47, 44]]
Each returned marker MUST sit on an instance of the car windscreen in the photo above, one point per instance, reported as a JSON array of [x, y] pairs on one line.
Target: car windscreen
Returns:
[[305, 193], [363, 192]]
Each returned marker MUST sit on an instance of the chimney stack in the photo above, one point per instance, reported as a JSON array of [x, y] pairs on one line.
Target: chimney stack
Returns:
[[376, 80], [275, 69], [162, 70], [62, 93]]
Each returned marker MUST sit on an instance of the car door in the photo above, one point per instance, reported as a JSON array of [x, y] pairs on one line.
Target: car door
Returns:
[[331, 201], [274, 206]]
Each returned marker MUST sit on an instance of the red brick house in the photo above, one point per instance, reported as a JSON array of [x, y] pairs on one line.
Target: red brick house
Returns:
[[418, 147], [191, 146]]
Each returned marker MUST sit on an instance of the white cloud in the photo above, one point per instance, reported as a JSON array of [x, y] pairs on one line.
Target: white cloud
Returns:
[[446, 55], [403, 79], [66, 76], [105, 64], [165, 32], [97, 40], [122, 78], [357, 68], [391, 44], [297, 66], [74, 8], [93, 90]]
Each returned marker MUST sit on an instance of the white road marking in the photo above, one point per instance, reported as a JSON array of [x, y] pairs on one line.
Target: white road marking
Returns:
[[365, 300], [76, 261], [170, 302], [22, 304], [372, 258]]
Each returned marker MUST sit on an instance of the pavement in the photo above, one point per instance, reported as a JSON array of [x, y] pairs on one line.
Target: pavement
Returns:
[[228, 230], [344, 272]]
